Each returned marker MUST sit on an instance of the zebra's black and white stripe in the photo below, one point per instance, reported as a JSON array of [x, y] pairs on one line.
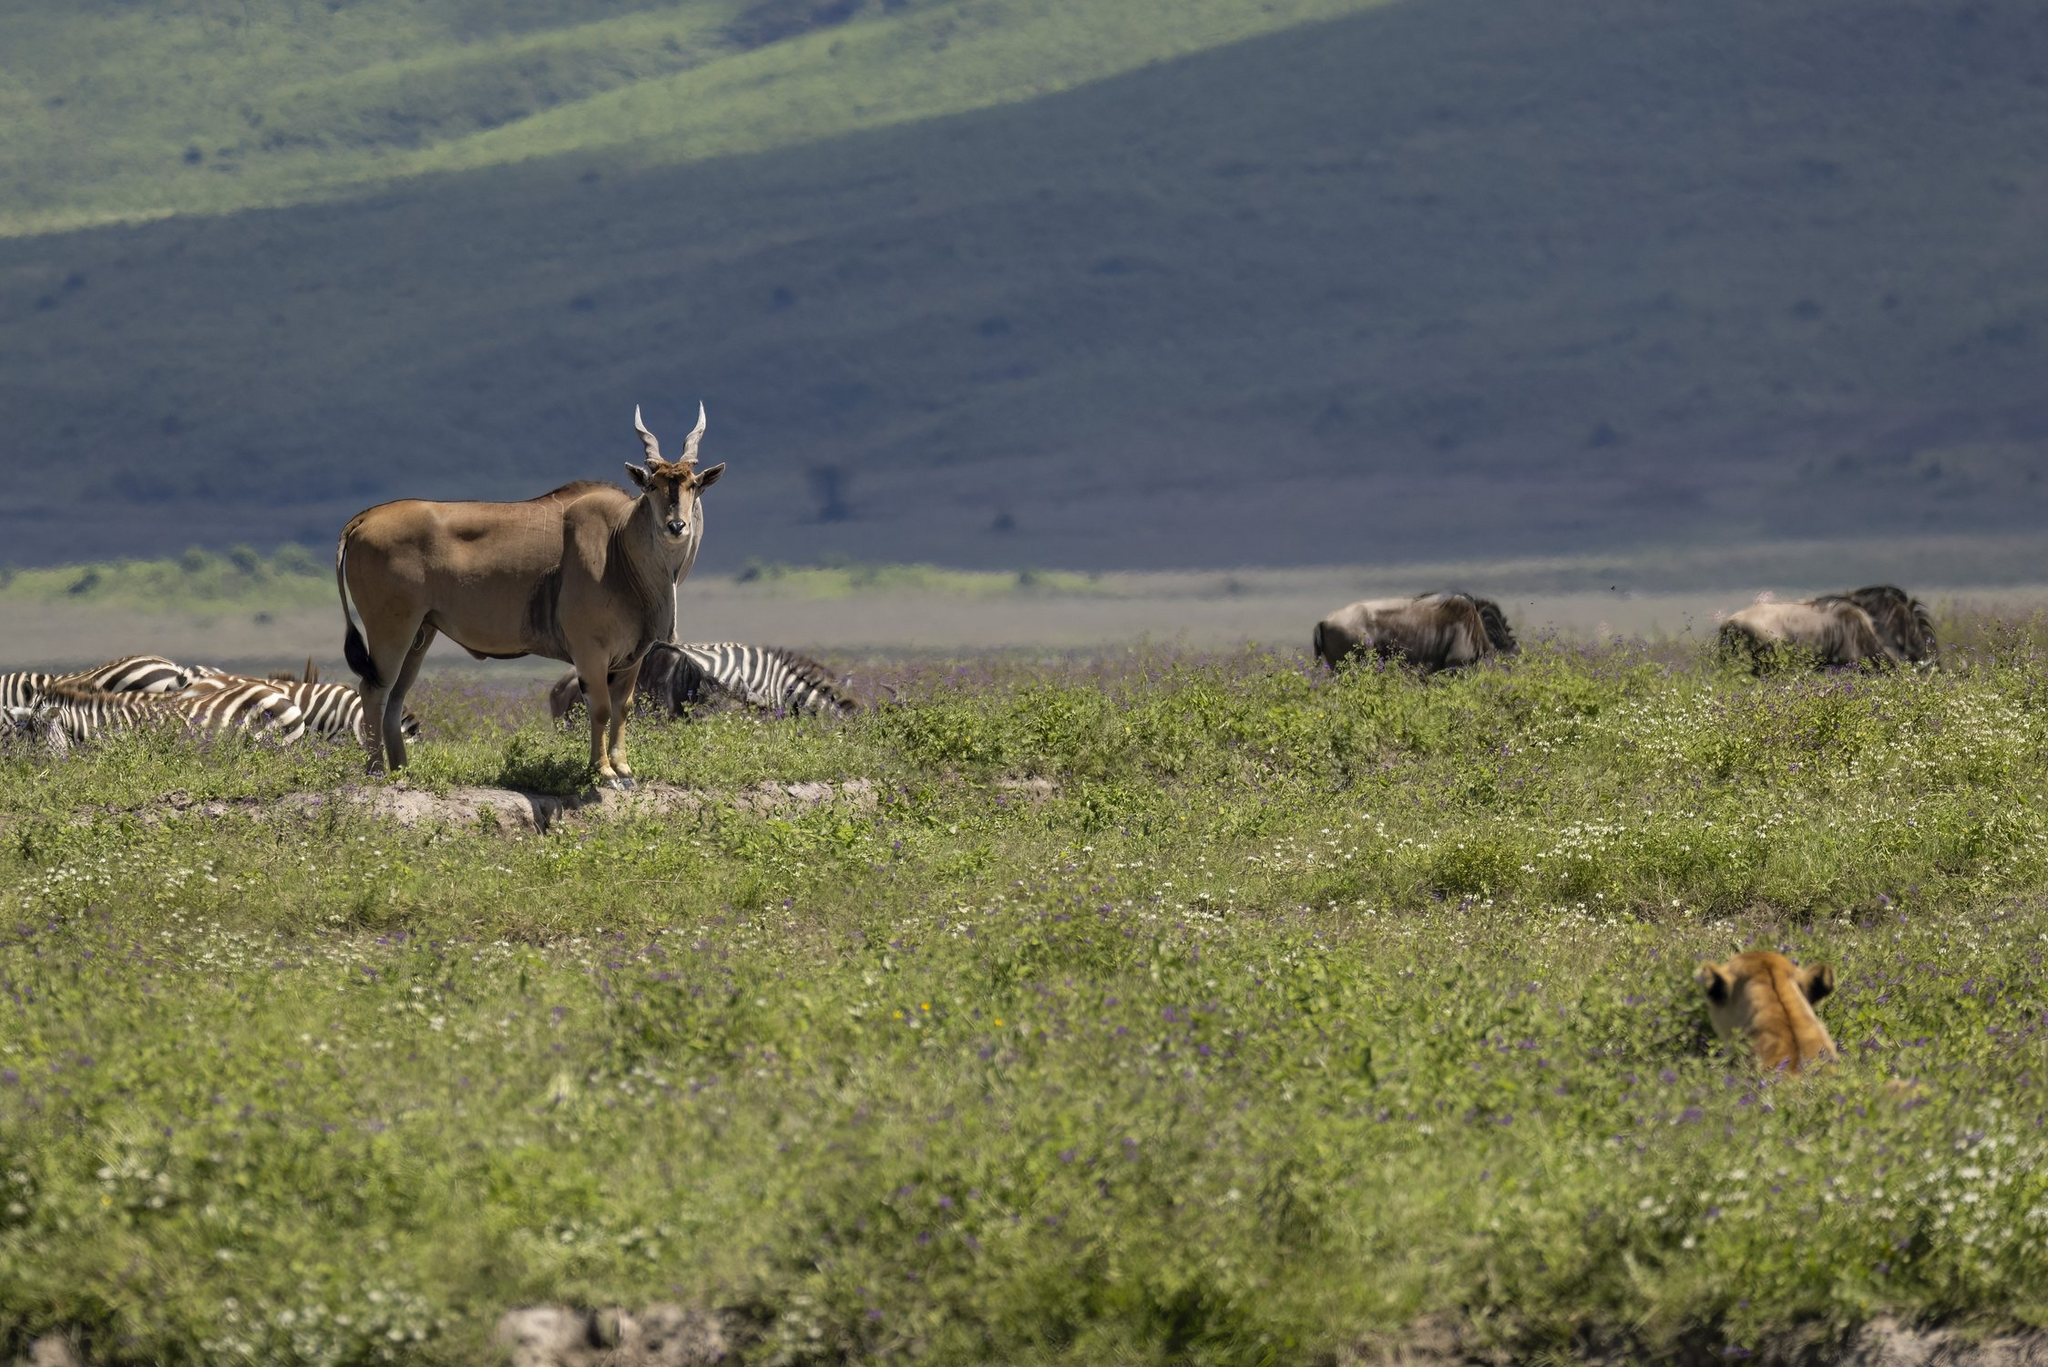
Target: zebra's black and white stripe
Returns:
[[68, 715], [333, 710], [761, 676], [136, 674], [129, 674], [24, 689], [676, 678]]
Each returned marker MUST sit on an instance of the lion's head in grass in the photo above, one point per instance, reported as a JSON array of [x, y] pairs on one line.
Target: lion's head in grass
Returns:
[[1764, 1002]]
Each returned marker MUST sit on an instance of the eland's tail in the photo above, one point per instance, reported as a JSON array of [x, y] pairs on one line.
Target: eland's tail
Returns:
[[353, 647]]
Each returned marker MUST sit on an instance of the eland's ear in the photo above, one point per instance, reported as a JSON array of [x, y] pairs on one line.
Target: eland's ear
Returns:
[[1816, 981], [710, 477], [639, 474], [1714, 980]]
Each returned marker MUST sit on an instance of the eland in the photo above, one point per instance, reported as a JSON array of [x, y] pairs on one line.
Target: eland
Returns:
[[586, 573]]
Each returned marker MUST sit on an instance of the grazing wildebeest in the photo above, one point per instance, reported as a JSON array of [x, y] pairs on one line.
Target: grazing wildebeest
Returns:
[[1432, 631], [1903, 624], [676, 678], [1834, 632], [586, 573], [1763, 1002]]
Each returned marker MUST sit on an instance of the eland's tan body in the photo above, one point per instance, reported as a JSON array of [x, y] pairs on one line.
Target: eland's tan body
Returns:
[[1432, 631], [585, 573], [1763, 1002], [1834, 631]]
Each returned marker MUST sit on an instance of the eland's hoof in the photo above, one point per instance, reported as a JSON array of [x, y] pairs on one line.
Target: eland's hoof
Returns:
[[622, 782]]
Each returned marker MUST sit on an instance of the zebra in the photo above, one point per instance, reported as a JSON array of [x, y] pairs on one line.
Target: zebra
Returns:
[[137, 674], [67, 714], [676, 678], [23, 690], [151, 674], [332, 710]]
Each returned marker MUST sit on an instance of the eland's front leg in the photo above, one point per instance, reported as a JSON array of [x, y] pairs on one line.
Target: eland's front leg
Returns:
[[597, 696], [619, 686]]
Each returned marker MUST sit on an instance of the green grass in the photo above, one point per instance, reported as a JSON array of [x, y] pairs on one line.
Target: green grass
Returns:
[[284, 102], [293, 577], [1302, 1010], [198, 580]]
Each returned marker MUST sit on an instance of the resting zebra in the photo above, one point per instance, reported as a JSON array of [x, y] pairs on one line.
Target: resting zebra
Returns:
[[129, 674], [676, 678], [332, 710], [136, 674], [67, 714]]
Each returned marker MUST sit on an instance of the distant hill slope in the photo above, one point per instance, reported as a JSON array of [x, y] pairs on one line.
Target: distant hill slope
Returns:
[[1442, 278], [122, 112]]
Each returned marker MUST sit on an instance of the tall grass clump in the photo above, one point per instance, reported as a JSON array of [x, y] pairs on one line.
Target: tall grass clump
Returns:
[[1164, 1007]]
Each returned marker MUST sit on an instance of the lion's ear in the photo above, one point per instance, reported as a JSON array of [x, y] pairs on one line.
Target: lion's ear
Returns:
[[1714, 980], [1816, 981]]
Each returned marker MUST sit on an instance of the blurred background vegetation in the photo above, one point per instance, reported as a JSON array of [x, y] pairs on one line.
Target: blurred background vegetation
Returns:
[[995, 284]]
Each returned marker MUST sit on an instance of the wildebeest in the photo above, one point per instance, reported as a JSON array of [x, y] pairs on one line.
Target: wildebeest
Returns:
[[1763, 1002], [676, 678], [1832, 631], [1432, 631], [585, 573], [1903, 624]]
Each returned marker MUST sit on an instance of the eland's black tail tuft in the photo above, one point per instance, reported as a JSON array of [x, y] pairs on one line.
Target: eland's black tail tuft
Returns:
[[358, 656], [352, 647]]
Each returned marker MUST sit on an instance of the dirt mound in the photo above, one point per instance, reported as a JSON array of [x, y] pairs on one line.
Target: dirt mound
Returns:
[[516, 810], [659, 1336], [506, 809]]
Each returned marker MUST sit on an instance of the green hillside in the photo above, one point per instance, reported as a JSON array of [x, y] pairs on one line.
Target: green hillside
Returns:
[[283, 102], [1440, 279]]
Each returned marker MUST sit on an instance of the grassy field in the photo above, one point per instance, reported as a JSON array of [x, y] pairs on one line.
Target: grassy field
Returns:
[[1301, 1010]]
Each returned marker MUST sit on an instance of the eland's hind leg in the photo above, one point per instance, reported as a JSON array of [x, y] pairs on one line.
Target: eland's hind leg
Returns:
[[394, 703], [385, 655]]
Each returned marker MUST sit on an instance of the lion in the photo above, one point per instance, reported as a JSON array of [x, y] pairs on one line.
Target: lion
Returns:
[[1765, 1001]]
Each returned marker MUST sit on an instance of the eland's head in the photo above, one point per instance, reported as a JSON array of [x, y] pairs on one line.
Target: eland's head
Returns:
[[671, 488]]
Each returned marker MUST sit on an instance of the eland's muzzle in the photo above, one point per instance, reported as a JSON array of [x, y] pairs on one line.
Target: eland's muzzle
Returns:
[[676, 528]]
